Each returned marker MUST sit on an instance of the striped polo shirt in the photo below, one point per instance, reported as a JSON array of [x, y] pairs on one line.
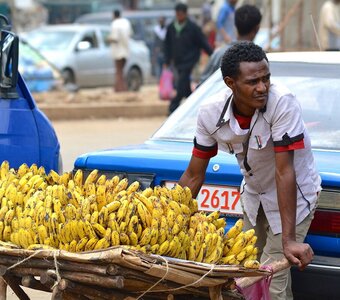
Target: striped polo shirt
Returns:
[[277, 127]]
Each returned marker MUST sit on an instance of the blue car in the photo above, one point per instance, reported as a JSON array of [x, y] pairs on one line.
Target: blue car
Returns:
[[26, 135], [315, 79]]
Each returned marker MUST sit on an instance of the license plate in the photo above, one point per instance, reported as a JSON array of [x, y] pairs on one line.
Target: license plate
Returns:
[[215, 197]]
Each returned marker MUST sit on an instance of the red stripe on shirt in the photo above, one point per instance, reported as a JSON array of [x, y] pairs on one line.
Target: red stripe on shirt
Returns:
[[244, 122], [204, 154], [295, 146]]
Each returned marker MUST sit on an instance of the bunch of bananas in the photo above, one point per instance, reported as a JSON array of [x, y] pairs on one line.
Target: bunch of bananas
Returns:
[[74, 213]]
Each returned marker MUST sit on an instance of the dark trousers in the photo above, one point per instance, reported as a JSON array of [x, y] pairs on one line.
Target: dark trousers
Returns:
[[120, 84], [183, 88]]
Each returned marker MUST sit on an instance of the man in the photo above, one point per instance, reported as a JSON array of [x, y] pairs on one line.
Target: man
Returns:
[[261, 124], [225, 23], [183, 43], [121, 32], [247, 22], [329, 25], [159, 32]]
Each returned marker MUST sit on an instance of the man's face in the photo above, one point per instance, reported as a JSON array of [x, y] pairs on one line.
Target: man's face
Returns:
[[232, 2], [250, 87], [181, 16]]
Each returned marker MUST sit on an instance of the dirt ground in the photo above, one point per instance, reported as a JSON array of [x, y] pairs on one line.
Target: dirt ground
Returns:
[[147, 94]]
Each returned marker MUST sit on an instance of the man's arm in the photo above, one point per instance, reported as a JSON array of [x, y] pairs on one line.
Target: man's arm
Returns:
[[330, 20], [300, 254], [194, 175]]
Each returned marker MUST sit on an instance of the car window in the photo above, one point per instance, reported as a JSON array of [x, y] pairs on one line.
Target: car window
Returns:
[[317, 88], [50, 40], [90, 37]]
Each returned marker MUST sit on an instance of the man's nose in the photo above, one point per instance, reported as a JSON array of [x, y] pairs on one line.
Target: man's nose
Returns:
[[261, 86]]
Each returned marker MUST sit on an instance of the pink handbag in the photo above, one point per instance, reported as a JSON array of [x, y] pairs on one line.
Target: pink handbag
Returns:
[[166, 86]]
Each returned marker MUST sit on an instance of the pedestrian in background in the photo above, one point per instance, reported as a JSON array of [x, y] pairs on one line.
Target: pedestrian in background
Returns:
[[329, 25], [225, 23], [183, 43], [247, 22], [159, 32], [208, 24], [121, 32]]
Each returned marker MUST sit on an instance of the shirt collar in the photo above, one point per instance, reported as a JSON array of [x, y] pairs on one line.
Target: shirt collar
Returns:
[[227, 111]]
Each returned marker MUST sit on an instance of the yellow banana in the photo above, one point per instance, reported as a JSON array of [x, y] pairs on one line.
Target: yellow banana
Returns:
[[145, 237], [78, 178], [64, 178], [146, 201], [122, 185], [91, 178], [228, 260], [133, 187], [251, 264], [115, 239], [171, 217], [99, 229], [22, 170], [113, 206], [122, 211], [154, 236], [73, 246], [133, 238], [53, 177], [164, 247], [124, 239], [91, 243], [147, 192], [103, 216], [144, 215], [238, 246], [101, 195], [4, 170]]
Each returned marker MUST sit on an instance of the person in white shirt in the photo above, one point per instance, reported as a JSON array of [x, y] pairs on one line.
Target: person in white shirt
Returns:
[[329, 25], [261, 124], [121, 32]]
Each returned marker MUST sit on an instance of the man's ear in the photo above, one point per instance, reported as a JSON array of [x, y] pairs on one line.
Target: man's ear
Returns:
[[229, 82]]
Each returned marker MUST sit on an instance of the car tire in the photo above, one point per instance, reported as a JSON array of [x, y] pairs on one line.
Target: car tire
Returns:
[[69, 80], [134, 79]]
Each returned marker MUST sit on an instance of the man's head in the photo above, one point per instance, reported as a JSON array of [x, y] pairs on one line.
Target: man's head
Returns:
[[245, 71], [247, 21], [232, 2], [116, 13], [244, 51], [161, 21], [181, 10]]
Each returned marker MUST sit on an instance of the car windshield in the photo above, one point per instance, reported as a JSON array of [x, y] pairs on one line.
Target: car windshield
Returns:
[[317, 87], [50, 40]]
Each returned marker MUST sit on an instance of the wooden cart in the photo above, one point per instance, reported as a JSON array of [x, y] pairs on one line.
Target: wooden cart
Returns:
[[117, 273]]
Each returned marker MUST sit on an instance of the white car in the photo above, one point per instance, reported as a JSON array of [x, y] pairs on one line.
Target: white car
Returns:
[[83, 55]]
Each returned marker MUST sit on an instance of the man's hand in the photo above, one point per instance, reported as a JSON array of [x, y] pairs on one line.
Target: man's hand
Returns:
[[299, 254]]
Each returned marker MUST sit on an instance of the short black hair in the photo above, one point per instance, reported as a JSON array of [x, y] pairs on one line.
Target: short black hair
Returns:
[[244, 51], [116, 13], [181, 7], [247, 18]]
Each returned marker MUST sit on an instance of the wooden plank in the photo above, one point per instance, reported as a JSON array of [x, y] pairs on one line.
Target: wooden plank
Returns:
[[3, 289]]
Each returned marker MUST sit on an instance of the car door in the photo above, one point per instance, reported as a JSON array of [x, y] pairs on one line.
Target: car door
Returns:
[[92, 60]]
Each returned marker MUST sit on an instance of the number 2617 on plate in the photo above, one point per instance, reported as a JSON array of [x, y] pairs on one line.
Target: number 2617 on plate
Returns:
[[222, 198]]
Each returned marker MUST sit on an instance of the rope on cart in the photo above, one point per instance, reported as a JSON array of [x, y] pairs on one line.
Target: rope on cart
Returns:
[[174, 289], [56, 268], [25, 259], [151, 287], [55, 254]]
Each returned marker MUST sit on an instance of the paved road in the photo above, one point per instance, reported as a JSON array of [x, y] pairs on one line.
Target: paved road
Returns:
[[77, 137]]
